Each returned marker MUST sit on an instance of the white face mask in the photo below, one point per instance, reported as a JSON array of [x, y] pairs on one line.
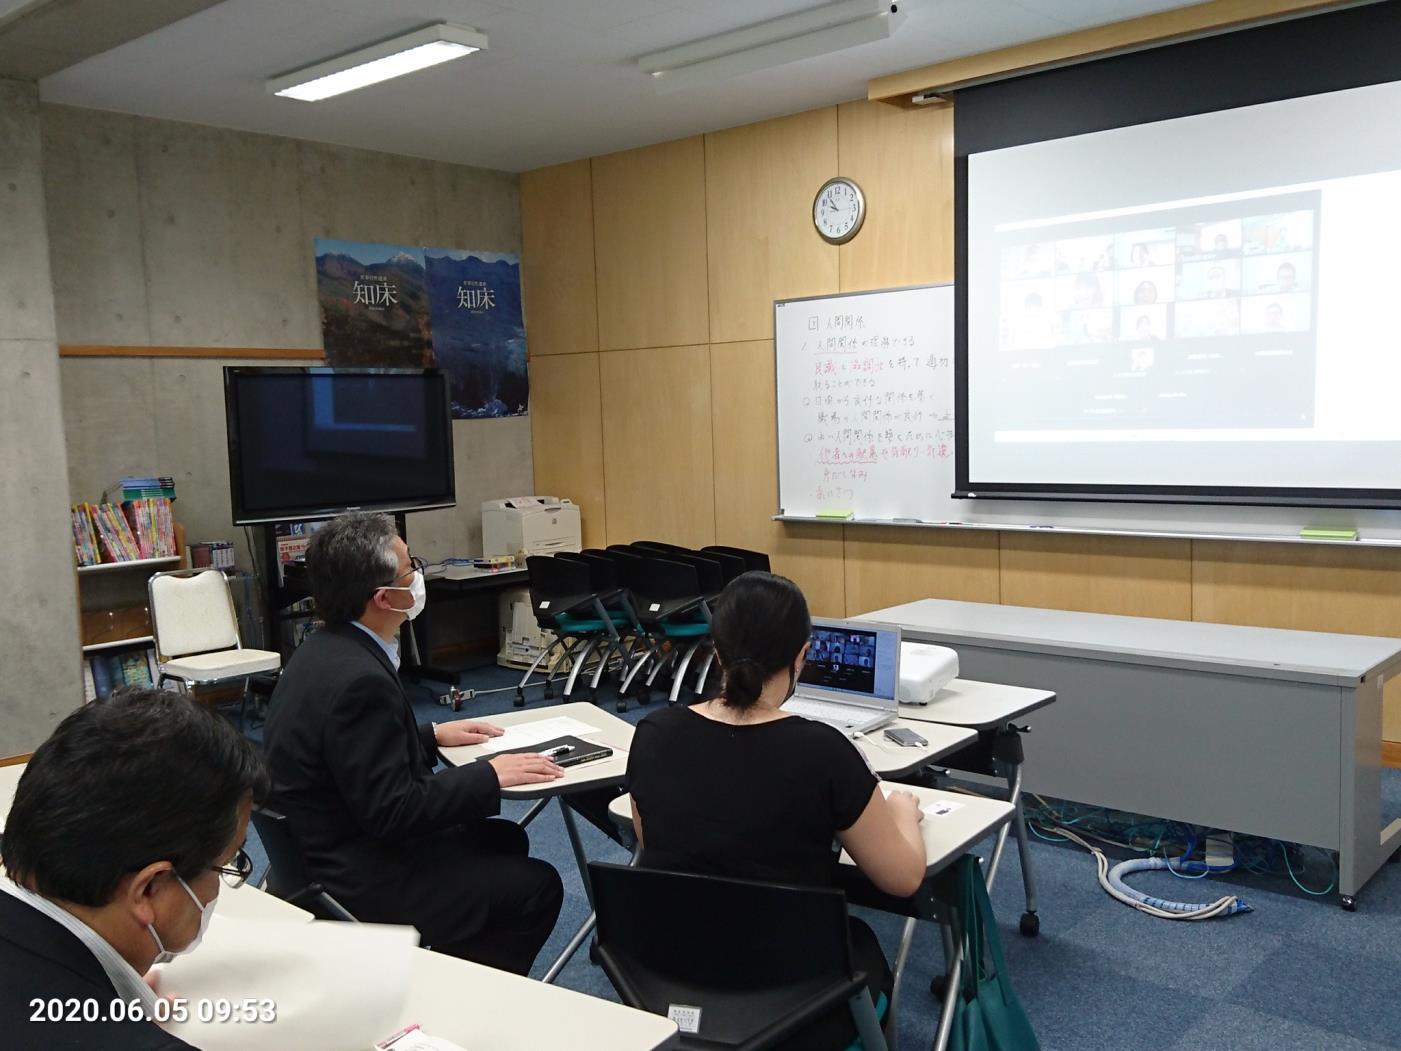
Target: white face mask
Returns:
[[164, 955], [418, 590]]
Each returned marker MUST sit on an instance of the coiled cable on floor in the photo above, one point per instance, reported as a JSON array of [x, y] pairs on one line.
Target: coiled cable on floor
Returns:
[[1111, 879]]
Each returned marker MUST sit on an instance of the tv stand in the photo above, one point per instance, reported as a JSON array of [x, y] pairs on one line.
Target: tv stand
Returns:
[[279, 594]]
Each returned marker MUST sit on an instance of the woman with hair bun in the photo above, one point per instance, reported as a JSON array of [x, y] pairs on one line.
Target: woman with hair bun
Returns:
[[734, 786]]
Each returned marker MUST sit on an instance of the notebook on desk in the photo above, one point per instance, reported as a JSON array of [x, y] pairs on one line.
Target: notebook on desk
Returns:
[[579, 751], [851, 676]]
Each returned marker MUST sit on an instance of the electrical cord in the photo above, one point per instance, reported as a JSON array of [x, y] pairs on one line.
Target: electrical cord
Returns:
[[1316, 893], [1111, 879], [1175, 843]]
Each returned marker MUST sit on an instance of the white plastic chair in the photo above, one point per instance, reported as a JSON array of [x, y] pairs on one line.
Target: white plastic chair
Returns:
[[196, 631]]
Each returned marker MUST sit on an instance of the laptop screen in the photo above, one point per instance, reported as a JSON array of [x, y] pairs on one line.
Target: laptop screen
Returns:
[[855, 663]]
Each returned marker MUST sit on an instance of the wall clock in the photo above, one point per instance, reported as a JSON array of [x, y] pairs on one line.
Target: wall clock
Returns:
[[838, 210]]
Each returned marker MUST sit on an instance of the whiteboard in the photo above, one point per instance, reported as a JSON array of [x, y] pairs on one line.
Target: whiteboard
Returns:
[[865, 411], [865, 404]]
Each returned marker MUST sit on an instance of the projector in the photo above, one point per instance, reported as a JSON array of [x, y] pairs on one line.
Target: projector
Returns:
[[924, 671]]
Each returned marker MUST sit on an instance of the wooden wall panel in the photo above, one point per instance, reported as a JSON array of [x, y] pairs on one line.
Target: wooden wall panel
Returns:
[[657, 445], [759, 184], [887, 565], [1133, 576], [903, 162], [746, 478], [1312, 587], [649, 237], [566, 430], [557, 265]]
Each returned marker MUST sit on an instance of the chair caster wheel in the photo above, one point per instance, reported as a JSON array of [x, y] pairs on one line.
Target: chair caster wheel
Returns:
[[519, 702], [622, 704], [1030, 925], [937, 985], [593, 954], [1349, 903], [549, 691]]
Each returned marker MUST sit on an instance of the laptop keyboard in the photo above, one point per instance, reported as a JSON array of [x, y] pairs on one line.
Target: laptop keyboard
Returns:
[[825, 711]]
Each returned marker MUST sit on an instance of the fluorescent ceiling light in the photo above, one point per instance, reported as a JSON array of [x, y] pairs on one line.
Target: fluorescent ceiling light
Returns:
[[807, 34], [391, 58]]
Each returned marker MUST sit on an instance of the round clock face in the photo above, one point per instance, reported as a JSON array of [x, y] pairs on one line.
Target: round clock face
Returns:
[[838, 210]]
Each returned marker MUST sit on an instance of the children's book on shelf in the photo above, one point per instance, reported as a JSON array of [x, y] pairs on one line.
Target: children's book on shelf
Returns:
[[136, 487], [104, 672], [140, 528], [85, 536]]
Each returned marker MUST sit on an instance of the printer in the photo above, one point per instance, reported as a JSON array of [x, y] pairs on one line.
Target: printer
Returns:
[[530, 525], [524, 526]]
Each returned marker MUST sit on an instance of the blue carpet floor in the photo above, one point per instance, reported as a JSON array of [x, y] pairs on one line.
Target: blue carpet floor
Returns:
[[1298, 972]]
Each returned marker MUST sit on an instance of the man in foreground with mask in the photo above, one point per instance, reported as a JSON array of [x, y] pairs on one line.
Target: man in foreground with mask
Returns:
[[123, 826], [353, 773]]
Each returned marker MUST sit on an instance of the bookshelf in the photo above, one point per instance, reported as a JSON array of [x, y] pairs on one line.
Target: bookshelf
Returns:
[[116, 635], [98, 647], [169, 561]]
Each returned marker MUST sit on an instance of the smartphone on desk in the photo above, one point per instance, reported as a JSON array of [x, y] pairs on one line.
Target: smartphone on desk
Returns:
[[905, 738]]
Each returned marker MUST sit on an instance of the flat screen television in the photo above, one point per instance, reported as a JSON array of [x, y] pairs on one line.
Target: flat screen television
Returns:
[[308, 443]]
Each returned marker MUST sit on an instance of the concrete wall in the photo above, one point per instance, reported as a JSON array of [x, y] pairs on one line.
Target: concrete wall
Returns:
[[38, 617], [170, 234]]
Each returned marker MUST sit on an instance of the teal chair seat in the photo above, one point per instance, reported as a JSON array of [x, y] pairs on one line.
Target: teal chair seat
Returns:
[[694, 630], [572, 625]]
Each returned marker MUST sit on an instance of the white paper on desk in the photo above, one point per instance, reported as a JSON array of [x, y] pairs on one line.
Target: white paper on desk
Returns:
[[523, 735], [941, 807], [938, 808], [335, 986]]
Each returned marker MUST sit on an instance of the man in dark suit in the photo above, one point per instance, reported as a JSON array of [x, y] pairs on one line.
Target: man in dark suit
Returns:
[[391, 840], [123, 824]]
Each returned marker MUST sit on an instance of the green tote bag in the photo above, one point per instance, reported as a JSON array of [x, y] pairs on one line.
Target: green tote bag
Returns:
[[987, 1015]]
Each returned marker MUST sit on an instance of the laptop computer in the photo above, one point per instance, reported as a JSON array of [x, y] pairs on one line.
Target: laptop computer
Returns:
[[851, 676]]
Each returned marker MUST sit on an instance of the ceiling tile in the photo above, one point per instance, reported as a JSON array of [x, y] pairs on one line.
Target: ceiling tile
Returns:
[[559, 80]]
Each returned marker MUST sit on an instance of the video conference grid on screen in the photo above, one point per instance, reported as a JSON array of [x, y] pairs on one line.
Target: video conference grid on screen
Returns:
[[852, 661], [1200, 302], [1098, 319]]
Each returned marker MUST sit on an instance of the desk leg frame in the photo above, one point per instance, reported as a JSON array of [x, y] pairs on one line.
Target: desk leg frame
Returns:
[[1030, 923], [1010, 767], [581, 935]]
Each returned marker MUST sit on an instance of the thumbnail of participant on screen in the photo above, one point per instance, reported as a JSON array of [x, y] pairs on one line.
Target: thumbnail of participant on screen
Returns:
[[1087, 326], [1280, 313], [1279, 273], [1217, 279], [1143, 324], [1141, 358], [1029, 322], [1137, 249], [1142, 288], [1085, 253], [1206, 317], [1200, 240], [1286, 232], [1083, 291], [1029, 260]]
